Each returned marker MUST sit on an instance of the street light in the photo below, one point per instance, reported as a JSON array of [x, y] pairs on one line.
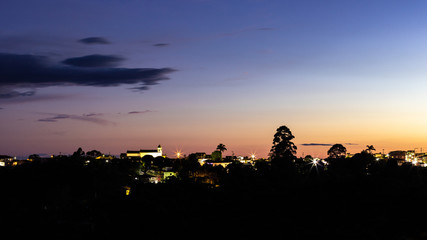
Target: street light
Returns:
[[315, 161]]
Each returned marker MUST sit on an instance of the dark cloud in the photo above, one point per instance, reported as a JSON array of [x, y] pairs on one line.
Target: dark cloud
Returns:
[[161, 44], [94, 40], [5, 94], [94, 60], [31, 72], [140, 112], [351, 144], [316, 144], [84, 117]]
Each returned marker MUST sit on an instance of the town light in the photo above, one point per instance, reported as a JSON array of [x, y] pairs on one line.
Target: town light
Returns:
[[314, 162], [178, 154]]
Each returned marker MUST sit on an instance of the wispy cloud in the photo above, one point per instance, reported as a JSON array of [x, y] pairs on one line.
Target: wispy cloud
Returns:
[[316, 144], [24, 98], [140, 112], [84, 117], [161, 44], [324, 144], [94, 40], [93, 114], [47, 120]]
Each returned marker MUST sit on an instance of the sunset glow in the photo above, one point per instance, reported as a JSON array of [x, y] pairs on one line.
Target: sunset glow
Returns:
[[135, 74]]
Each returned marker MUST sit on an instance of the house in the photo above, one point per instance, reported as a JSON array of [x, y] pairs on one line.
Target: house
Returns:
[[157, 176]]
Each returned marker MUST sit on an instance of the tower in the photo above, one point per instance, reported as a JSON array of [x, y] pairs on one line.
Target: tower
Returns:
[[159, 149]]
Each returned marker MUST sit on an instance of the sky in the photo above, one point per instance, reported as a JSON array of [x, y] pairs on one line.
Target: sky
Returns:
[[126, 75]]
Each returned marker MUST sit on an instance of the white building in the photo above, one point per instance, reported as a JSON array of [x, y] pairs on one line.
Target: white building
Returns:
[[141, 153]]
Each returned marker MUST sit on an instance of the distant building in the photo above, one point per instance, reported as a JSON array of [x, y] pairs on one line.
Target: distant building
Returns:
[[421, 158], [379, 156], [410, 155], [230, 158], [6, 160], [141, 153], [215, 164], [399, 155], [201, 157], [157, 176]]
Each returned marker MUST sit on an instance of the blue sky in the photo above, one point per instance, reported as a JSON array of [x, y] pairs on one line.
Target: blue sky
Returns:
[[332, 71]]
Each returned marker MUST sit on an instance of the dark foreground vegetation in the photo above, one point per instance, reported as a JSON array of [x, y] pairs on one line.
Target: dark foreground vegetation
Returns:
[[67, 199], [287, 198]]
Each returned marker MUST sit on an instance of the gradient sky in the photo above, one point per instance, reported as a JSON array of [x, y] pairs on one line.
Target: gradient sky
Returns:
[[124, 75]]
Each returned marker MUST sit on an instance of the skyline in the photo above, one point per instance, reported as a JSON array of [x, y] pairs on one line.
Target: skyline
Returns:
[[123, 75]]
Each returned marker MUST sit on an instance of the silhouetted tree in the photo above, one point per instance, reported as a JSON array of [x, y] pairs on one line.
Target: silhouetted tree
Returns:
[[147, 161], [308, 158], [283, 150], [221, 147], [338, 165], [161, 162], [187, 167], [94, 153], [191, 163], [209, 174], [262, 166], [370, 148], [239, 175], [359, 163], [216, 156], [79, 153], [337, 151]]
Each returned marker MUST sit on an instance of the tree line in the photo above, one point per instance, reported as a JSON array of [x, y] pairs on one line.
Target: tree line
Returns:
[[282, 164]]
